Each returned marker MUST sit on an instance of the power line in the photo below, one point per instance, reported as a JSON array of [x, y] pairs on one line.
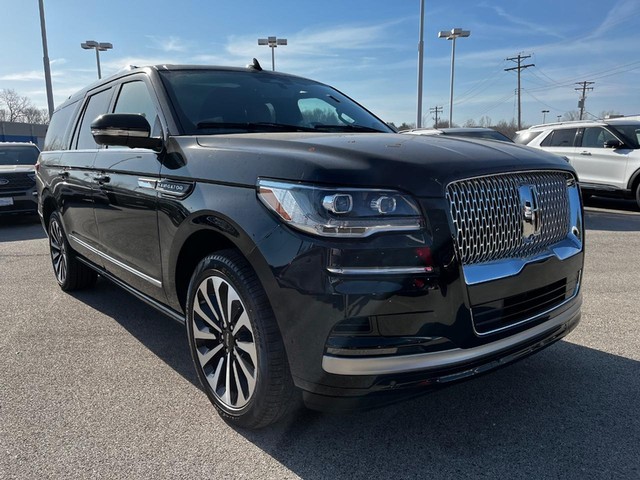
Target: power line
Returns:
[[502, 101], [597, 75], [540, 101]]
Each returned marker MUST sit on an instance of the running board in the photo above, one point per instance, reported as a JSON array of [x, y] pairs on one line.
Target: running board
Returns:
[[141, 296]]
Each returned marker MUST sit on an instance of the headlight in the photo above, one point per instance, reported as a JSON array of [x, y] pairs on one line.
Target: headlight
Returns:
[[340, 212]]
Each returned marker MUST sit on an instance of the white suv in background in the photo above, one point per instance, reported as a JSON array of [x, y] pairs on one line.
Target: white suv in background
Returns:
[[606, 154]]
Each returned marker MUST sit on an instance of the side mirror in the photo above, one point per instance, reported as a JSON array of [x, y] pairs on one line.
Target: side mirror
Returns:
[[124, 130], [613, 143]]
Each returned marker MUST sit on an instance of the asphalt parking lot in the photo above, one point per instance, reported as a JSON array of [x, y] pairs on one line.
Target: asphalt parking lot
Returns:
[[98, 385]]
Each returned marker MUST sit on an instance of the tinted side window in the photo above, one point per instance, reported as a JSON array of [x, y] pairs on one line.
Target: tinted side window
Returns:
[[594, 137], [561, 138], [134, 97], [60, 129], [98, 104]]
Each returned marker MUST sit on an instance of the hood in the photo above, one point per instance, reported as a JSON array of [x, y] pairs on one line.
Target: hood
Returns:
[[421, 165]]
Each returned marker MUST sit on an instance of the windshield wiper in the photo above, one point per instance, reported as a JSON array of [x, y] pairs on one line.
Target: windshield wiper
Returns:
[[255, 126], [346, 128]]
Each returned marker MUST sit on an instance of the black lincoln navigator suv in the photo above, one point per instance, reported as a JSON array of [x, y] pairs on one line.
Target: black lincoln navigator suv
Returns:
[[308, 248]]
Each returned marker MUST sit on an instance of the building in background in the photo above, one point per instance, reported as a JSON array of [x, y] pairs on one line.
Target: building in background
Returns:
[[23, 132]]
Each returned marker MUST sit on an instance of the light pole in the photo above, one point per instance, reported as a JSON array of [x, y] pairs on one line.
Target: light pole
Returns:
[[420, 65], [98, 47], [272, 42], [544, 115], [45, 60], [452, 35]]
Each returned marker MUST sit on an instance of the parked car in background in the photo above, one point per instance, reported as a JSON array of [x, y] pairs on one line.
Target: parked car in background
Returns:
[[308, 248], [605, 154], [473, 132], [17, 178]]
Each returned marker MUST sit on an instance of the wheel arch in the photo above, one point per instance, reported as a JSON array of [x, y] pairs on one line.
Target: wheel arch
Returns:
[[49, 205], [202, 235], [634, 181], [197, 246]]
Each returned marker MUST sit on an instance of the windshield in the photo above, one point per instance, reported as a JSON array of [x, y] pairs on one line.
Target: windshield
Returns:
[[18, 154], [210, 101], [630, 133]]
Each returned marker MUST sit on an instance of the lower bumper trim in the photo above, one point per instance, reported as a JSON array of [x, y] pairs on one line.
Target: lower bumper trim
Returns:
[[447, 358]]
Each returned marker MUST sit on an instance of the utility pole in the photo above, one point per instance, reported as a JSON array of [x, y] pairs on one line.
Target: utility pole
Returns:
[[520, 67], [436, 110], [583, 97]]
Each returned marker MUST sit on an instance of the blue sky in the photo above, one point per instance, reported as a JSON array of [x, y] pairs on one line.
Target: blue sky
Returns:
[[367, 49]]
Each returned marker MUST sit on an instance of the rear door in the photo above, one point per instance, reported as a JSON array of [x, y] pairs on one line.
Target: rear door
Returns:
[[126, 198], [74, 191], [598, 165], [561, 141]]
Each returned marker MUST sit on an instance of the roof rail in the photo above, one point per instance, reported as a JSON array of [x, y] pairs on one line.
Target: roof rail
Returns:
[[566, 122]]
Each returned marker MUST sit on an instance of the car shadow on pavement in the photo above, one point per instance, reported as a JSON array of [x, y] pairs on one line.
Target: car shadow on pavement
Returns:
[[567, 412], [165, 337], [30, 228], [611, 214]]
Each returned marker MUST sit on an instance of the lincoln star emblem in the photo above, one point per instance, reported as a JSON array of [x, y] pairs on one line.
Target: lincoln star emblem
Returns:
[[530, 208], [3, 181]]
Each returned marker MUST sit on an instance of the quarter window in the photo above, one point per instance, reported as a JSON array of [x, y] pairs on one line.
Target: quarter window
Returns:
[[58, 133]]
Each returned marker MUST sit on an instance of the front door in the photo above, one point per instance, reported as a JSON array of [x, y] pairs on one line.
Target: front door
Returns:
[[598, 165], [126, 200]]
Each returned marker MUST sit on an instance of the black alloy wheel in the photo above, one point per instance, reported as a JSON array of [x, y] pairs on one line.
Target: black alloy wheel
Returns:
[[70, 273], [235, 342]]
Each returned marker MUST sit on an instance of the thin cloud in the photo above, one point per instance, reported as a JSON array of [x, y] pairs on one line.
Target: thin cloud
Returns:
[[534, 27], [169, 44], [620, 13], [23, 76]]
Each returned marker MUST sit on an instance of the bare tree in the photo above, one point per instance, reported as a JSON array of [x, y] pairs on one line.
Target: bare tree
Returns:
[[406, 126], [571, 115], [443, 124], [508, 128], [16, 108], [36, 115], [485, 121]]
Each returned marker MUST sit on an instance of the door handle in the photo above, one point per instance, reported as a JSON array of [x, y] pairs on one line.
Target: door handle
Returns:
[[585, 153], [102, 179]]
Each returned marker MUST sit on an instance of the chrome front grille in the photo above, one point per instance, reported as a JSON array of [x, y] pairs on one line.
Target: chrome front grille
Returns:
[[488, 216]]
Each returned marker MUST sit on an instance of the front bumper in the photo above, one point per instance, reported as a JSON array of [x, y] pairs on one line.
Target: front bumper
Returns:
[[439, 371], [19, 202], [454, 358]]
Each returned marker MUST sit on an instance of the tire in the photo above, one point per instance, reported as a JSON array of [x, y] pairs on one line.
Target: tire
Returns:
[[69, 272], [235, 343], [638, 194]]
